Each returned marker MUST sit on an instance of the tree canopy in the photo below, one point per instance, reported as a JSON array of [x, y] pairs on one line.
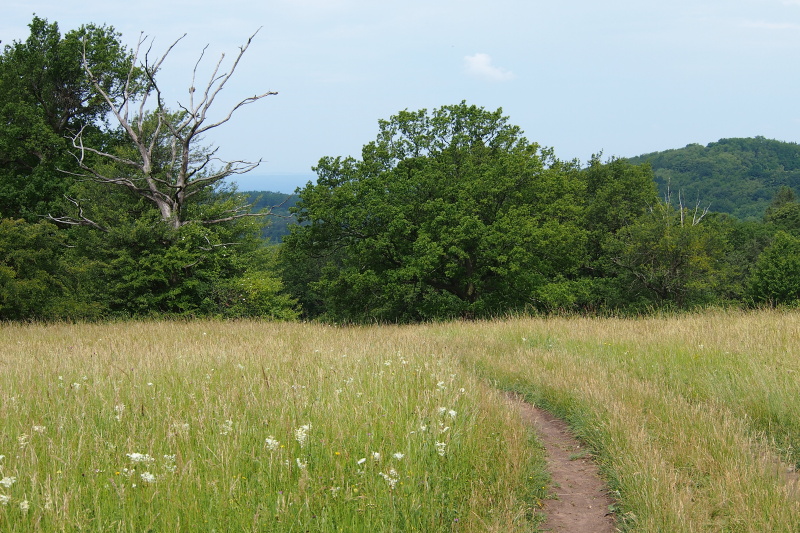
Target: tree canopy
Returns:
[[143, 221], [449, 213], [110, 206]]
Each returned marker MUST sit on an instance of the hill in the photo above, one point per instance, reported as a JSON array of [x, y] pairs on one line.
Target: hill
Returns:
[[280, 204], [735, 176]]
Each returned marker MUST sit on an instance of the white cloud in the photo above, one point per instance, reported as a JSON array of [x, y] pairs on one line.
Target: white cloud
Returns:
[[480, 66]]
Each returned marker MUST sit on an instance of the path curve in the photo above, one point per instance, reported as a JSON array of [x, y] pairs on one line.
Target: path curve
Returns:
[[580, 502]]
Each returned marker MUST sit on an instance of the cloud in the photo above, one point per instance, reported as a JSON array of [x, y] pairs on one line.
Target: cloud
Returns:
[[480, 66]]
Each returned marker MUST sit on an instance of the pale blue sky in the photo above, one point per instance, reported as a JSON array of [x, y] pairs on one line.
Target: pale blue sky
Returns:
[[623, 77]]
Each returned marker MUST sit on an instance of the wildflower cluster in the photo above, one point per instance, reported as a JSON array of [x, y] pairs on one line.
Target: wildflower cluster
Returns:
[[301, 434]]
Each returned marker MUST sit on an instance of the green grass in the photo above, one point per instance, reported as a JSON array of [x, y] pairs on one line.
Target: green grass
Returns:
[[399, 437], [694, 420]]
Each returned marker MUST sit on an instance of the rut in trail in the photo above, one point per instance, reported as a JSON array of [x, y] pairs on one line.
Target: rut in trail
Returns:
[[580, 501]]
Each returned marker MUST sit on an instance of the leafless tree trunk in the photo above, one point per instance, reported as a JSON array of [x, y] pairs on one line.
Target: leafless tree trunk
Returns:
[[166, 165]]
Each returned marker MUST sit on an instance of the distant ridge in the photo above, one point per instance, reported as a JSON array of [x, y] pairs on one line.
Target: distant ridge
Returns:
[[738, 176]]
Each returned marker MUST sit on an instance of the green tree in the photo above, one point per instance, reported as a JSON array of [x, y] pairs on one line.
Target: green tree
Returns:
[[45, 96], [784, 212], [29, 269], [147, 227], [447, 214], [776, 276], [668, 257]]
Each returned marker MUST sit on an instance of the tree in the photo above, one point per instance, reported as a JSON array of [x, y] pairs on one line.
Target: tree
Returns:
[[776, 277], [668, 257], [450, 213], [784, 211], [161, 159], [147, 226], [44, 97], [29, 269]]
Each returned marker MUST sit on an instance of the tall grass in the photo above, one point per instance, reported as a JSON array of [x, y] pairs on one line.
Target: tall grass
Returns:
[[695, 419], [248, 426]]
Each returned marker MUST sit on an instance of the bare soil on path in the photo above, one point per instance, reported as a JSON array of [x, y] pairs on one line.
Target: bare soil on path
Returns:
[[580, 501]]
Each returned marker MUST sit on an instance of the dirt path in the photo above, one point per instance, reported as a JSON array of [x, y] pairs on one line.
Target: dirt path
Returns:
[[581, 500]]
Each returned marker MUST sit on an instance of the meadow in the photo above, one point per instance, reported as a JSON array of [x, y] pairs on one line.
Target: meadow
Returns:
[[259, 426]]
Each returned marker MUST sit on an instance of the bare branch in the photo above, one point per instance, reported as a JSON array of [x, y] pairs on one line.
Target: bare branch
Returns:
[[698, 217], [169, 167], [80, 221]]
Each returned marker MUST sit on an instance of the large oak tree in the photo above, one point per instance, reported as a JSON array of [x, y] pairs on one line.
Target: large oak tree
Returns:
[[449, 213]]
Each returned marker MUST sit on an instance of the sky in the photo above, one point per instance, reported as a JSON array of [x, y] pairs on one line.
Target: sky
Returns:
[[621, 78]]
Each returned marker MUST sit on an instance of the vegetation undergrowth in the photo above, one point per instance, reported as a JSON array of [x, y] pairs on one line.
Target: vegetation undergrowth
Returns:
[[254, 426]]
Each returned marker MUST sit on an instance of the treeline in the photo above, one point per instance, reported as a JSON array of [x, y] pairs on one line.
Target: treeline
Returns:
[[455, 214], [112, 208]]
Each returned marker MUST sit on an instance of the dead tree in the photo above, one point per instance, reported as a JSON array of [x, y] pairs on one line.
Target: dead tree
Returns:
[[165, 162]]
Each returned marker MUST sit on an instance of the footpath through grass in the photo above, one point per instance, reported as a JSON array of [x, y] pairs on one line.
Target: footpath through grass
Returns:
[[695, 419], [249, 426]]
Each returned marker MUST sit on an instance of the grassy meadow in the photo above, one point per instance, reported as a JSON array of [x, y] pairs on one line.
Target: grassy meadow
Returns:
[[255, 426]]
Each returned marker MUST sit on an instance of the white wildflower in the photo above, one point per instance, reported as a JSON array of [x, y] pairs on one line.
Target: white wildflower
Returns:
[[452, 413], [8, 481], [4, 499], [391, 478], [440, 385], [376, 456], [22, 440], [272, 443], [300, 464], [169, 463], [226, 427], [398, 455], [39, 429], [301, 434], [147, 477], [24, 506], [119, 409], [440, 448], [442, 410], [140, 457], [423, 428], [362, 460]]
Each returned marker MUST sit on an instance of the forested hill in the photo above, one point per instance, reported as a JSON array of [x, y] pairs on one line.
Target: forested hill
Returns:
[[279, 205], [736, 176]]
